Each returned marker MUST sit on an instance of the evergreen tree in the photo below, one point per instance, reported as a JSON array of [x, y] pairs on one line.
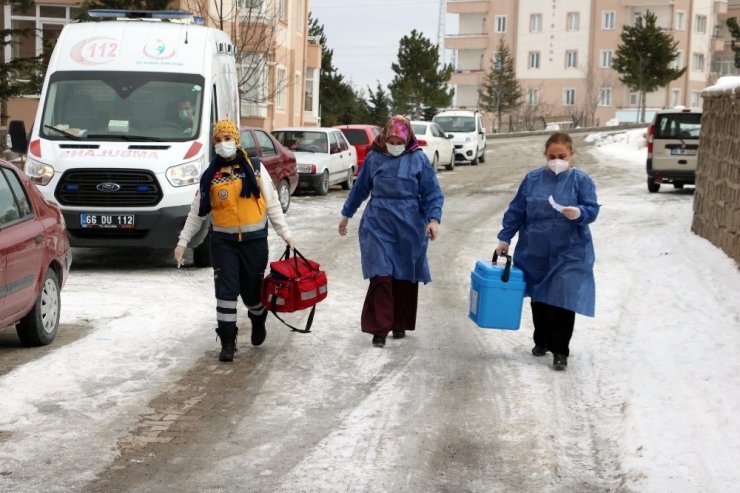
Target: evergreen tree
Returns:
[[419, 87], [735, 31], [501, 91], [643, 58], [380, 105]]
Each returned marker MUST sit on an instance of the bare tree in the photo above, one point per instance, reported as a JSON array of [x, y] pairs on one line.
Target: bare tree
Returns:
[[595, 82]]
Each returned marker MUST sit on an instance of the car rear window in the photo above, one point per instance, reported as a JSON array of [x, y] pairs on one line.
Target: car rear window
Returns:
[[356, 136], [419, 129], [678, 126], [455, 123]]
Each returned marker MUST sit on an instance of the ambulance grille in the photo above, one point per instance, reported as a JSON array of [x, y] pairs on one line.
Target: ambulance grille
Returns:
[[108, 188]]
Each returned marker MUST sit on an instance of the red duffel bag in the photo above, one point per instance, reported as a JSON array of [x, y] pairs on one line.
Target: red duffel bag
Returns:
[[294, 283]]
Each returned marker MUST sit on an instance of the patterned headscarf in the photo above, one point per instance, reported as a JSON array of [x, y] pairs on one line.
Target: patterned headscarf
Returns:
[[397, 126], [227, 126]]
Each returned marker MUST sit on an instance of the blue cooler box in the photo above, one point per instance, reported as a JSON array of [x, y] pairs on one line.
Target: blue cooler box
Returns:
[[495, 303]]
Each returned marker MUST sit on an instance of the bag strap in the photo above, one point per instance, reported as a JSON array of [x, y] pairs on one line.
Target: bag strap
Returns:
[[309, 322], [507, 269], [297, 254]]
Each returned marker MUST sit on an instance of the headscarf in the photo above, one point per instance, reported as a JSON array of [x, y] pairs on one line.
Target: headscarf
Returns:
[[397, 126], [227, 126]]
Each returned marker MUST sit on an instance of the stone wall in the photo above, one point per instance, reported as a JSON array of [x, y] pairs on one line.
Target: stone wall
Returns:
[[717, 194]]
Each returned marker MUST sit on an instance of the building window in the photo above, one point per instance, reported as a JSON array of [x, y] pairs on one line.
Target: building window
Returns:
[[297, 94], [680, 20], [573, 21], [298, 6], [535, 23], [695, 99], [678, 61], [608, 19], [697, 62], [253, 100], [571, 59], [607, 57], [634, 98], [534, 59], [308, 103], [675, 97], [500, 23], [280, 89], [701, 24], [44, 22], [533, 96], [569, 96], [605, 96], [283, 10]]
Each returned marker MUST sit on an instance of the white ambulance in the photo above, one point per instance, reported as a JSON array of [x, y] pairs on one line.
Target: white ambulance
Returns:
[[122, 132]]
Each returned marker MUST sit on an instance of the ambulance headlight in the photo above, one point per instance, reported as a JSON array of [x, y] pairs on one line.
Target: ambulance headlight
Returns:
[[185, 174], [39, 173]]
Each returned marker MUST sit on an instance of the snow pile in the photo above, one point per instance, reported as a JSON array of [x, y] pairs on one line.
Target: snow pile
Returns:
[[728, 83]]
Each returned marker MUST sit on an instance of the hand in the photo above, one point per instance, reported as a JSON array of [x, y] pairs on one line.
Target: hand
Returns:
[[572, 213], [502, 248], [290, 243], [432, 230], [179, 253], [343, 226]]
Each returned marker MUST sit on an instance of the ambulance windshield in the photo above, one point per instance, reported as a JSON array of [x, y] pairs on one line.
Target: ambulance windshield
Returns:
[[132, 106]]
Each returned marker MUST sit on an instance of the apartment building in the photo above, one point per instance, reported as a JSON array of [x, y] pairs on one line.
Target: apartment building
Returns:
[[284, 92], [723, 61], [563, 52]]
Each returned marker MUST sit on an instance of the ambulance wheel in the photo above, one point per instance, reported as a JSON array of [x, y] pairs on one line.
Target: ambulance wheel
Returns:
[[202, 253], [322, 187], [283, 192]]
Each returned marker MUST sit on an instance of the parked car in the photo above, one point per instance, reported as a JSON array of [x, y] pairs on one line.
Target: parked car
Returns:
[[673, 145], [324, 156], [279, 161], [435, 143], [468, 134], [34, 259], [361, 136]]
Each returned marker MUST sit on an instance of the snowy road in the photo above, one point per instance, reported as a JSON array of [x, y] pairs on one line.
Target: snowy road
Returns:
[[133, 399]]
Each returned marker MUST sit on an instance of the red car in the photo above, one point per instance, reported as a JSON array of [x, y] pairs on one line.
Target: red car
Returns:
[[277, 159], [34, 259], [361, 136]]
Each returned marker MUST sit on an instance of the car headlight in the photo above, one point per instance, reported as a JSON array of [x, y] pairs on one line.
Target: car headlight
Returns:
[[185, 174], [39, 173]]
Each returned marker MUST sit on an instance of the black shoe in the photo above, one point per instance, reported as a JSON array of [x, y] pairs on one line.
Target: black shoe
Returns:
[[228, 343], [538, 350], [559, 362], [258, 328], [399, 334], [378, 341]]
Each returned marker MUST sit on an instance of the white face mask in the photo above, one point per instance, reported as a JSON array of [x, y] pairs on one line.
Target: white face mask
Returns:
[[395, 150], [226, 149], [558, 165], [184, 114]]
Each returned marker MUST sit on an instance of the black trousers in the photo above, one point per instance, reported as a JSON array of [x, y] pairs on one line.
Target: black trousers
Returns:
[[553, 327], [390, 304]]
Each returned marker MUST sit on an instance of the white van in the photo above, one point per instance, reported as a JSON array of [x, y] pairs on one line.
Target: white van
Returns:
[[468, 134], [122, 132]]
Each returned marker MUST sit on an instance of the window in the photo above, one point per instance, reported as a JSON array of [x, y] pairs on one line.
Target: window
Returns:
[[675, 97], [701, 24], [678, 61], [534, 59], [608, 19], [680, 20], [298, 8], [342, 141], [533, 96], [247, 143], [308, 103], [607, 57], [14, 204], [571, 59], [500, 23], [282, 10], [44, 22], [634, 98], [697, 62], [280, 89], [605, 96], [266, 143], [297, 94], [695, 99], [569, 96], [535, 23], [253, 100], [572, 21]]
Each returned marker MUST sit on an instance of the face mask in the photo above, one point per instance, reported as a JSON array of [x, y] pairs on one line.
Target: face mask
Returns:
[[226, 149], [396, 150], [184, 114], [558, 165]]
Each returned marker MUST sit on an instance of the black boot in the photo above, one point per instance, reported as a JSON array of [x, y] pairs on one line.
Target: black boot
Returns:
[[228, 342], [258, 327]]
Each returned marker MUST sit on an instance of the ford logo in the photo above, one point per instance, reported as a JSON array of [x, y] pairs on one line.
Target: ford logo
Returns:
[[108, 187]]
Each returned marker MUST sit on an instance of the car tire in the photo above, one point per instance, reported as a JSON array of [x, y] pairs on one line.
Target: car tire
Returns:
[[40, 326], [451, 165], [202, 253], [347, 184], [283, 192], [435, 162], [474, 162], [322, 187], [652, 186], [482, 158], [678, 186]]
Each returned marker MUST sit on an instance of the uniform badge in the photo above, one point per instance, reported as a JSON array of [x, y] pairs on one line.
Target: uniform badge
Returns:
[[223, 194]]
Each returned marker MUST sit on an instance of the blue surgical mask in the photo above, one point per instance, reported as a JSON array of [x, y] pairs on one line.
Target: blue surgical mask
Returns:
[[226, 149], [395, 150]]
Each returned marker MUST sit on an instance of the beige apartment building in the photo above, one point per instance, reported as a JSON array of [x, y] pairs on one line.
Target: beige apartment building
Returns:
[[563, 52], [283, 92]]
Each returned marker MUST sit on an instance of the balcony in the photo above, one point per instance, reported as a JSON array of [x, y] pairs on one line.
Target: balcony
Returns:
[[467, 77], [475, 41], [468, 6]]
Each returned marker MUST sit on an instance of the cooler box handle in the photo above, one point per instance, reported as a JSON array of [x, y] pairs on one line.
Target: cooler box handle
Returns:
[[507, 269]]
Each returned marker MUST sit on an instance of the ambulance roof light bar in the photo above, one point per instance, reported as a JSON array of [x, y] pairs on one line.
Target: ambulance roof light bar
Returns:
[[178, 16]]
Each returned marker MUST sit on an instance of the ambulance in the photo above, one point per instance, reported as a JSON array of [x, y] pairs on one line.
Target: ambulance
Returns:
[[122, 132]]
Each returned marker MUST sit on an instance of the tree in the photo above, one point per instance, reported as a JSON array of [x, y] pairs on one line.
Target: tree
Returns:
[[735, 31], [419, 87], [19, 75], [501, 92], [380, 104], [644, 57]]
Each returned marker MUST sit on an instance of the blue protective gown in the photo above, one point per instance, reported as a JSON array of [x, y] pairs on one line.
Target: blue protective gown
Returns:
[[555, 253], [404, 197]]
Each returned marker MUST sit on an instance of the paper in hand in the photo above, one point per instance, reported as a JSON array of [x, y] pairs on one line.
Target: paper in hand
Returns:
[[555, 205]]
